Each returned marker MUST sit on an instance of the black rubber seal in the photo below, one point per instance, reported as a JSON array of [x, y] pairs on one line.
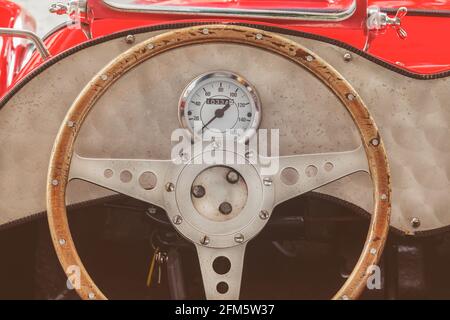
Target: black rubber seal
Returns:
[[321, 196], [43, 214]]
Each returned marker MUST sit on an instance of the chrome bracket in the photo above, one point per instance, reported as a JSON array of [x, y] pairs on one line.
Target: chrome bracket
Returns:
[[40, 46], [59, 8], [70, 8], [275, 13], [380, 21]]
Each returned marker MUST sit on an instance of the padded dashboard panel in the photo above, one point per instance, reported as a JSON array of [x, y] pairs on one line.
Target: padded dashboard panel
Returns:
[[136, 117]]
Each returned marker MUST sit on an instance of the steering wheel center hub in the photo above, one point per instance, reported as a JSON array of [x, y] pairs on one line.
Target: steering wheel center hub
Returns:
[[219, 201], [219, 193]]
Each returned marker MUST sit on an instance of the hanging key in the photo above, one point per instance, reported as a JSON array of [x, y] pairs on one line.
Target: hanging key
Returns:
[[152, 267]]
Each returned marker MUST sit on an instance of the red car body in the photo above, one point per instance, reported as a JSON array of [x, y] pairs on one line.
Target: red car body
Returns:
[[425, 51], [12, 51]]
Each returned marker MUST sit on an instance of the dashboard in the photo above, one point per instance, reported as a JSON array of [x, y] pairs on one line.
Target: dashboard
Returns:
[[216, 88]]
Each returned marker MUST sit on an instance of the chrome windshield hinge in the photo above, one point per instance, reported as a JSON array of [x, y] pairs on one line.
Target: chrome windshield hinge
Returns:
[[59, 8], [71, 7], [77, 10], [380, 21]]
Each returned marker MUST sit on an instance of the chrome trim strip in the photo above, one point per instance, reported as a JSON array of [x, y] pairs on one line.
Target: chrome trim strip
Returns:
[[40, 46], [287, 14]]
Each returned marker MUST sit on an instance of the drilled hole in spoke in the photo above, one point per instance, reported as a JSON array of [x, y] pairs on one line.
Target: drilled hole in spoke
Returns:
[[328, 166], [222, 287], [311, 171], [125, 176], [108, 173], [221, 265], [289, 176], [147, 180]]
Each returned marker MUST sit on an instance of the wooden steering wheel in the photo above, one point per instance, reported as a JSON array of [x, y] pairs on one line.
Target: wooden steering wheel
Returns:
[[174, 181]]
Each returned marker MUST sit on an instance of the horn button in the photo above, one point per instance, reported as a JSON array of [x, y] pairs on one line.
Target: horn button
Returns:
[[219, 193]]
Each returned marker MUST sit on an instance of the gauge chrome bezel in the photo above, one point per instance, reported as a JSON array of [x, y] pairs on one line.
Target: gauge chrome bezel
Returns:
[[227, 75]]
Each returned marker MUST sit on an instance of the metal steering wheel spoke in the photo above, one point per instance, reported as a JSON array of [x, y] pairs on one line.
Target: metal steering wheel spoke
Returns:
[[139, 179], [303, 173], [221, 270]]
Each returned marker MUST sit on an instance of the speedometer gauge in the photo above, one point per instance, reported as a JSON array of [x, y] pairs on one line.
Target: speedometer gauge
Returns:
[[220, 102]]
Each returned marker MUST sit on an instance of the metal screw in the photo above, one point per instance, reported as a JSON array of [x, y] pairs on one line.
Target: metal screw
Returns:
[[70, 124], [351, 96], [62, 241], [383, 197], [205, 31], [309, 58], [264, 214], [347, 57], [104, 77], [177, 219], [91, 295], [204, 241], [151, 210], [170, 187], [373, 251], [198, 191], [225, 208], [267, 182], [150, 46], [259, 36], [415, 222], [232, 177], [130, 39], [375, 142], [55, 182], [239, 238]]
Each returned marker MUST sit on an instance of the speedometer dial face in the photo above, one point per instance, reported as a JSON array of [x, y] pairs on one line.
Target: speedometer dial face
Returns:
[[220, 103]]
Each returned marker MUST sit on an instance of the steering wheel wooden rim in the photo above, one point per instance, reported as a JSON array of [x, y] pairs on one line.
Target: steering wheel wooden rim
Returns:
[[63, 148]]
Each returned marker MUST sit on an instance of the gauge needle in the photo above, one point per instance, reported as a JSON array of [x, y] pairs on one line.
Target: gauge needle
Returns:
[[218, 114]]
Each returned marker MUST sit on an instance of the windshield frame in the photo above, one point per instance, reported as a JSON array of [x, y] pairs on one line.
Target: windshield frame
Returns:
[[307, 14]]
